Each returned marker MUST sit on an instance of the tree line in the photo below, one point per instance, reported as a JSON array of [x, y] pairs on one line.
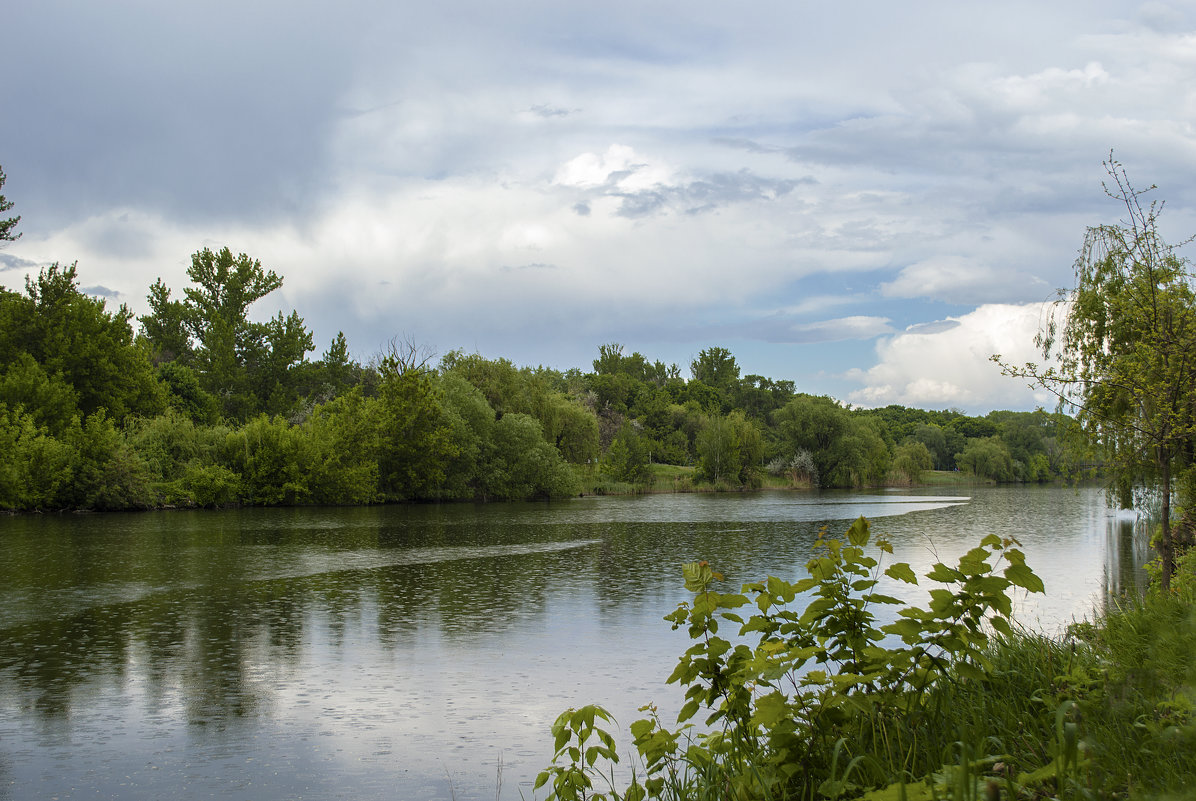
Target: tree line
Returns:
[[194, 403]]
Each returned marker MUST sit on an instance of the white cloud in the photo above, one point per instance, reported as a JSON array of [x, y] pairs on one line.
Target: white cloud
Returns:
[[788, 328], [950, 366], [962, 280]]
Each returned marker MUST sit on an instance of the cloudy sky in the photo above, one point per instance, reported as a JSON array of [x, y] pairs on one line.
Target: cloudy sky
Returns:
[[868, 198]]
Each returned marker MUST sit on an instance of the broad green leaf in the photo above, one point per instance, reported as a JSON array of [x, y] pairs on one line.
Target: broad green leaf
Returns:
[[907, 629], [1024, 577], [969, 671], [805, 585], [944, 574], [902, 572], [770, 709], [859, 534], [688, 711]]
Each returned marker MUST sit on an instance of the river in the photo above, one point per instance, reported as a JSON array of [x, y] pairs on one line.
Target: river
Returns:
[[418, 652]]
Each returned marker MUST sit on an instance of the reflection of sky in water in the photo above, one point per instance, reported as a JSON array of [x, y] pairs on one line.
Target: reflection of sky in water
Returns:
[[386, 652]]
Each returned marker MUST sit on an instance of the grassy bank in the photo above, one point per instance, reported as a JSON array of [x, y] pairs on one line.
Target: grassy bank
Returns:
[[679, 478], [817, 700]]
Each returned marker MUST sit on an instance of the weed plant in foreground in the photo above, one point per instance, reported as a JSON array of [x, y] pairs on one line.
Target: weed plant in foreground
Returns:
[[815, 699]]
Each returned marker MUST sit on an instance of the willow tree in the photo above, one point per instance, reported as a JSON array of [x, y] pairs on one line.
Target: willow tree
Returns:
[[1124, 342]]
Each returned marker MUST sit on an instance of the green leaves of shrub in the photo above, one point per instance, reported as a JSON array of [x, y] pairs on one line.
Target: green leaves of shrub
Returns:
[[810, 666]]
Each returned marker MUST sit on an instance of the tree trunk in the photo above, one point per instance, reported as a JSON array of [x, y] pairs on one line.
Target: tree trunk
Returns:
[[1166, 546]]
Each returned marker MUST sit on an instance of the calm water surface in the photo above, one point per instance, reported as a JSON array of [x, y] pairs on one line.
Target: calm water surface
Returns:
[[416, 652]]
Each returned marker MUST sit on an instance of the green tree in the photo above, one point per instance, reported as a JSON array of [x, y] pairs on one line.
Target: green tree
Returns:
[[413, 440], [564, 422], [627, 458], [76, 341], [848, 448], [1126, 351], [523, 465], [730, 448], [35, 466], [248, 366], [911, 460], [715, 367], [986, 457], [7, 224], [166, 327], [935, 441]]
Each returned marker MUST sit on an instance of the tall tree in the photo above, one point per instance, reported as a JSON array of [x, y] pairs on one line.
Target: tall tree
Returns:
[[72, 339], [715, 367], [7, 224], [166, 326], [247, 365], [1126, 348]]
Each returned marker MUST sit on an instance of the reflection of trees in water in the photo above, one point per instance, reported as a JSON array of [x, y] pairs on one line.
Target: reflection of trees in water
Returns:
[[202, 631], [1128, 550]]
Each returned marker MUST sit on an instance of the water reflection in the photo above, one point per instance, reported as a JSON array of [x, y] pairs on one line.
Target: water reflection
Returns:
[[1127, 550], [384, 651]]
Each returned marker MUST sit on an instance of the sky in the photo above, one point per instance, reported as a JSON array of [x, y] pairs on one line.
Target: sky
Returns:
[[867, 198]]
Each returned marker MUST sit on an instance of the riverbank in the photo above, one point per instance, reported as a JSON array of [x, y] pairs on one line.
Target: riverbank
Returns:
[[666, 478]]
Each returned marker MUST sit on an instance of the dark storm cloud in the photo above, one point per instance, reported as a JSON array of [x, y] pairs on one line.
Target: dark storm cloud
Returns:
[[11, 262], [100, 291], [212, 111]]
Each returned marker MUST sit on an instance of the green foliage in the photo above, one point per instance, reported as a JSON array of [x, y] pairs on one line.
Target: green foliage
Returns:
[[209, 408], [178, 454], [986, 458], [627, 458], [248, 366], [7, 224], [343, 468], [166, 328], [523, 465], [911, 460], [730, 449], [812, 696], [935, 440], [50, 400], [413, 442], [107, 473], [848, 450], [758, 397], [75, 341], [580, 742], [272, 459], [611, 361], [35, 466], [715, 367], [564, 422], [185, 393]]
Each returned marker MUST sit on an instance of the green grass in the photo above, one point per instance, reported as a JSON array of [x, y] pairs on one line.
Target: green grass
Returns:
[[681, 478], [950, 478]]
